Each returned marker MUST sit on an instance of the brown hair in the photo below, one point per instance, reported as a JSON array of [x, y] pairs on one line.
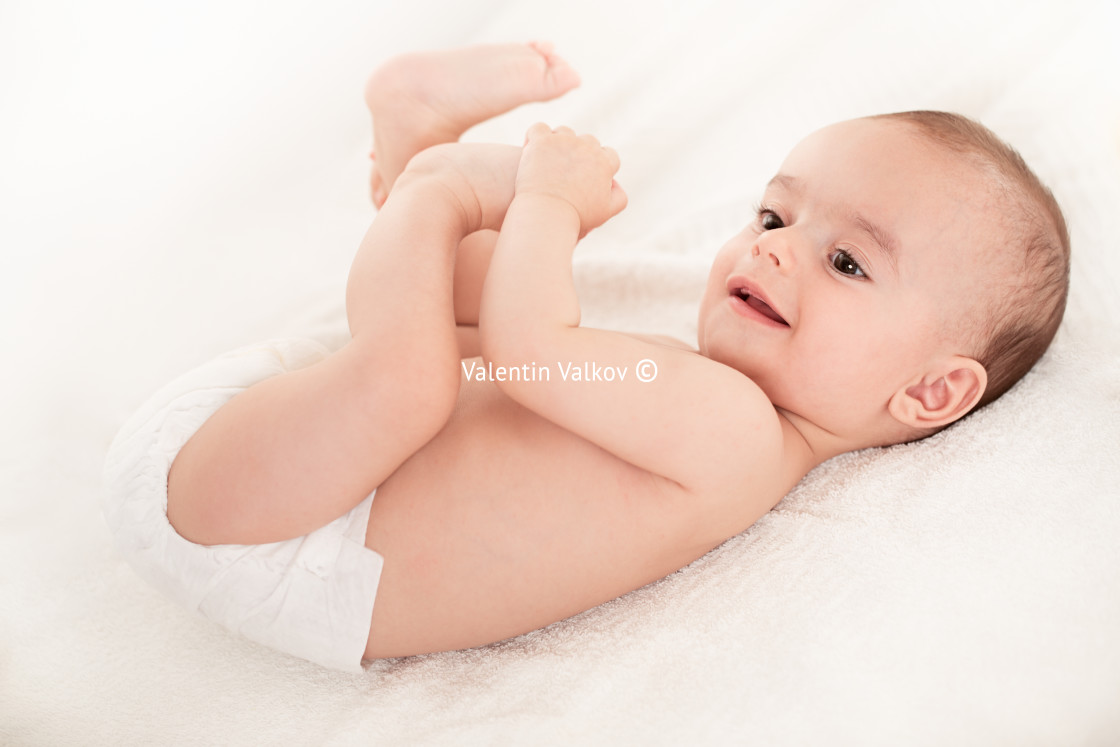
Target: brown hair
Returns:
[[1021, 322]]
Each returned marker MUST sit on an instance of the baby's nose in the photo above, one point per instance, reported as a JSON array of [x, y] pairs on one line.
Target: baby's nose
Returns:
[[770, 255], [776, 249]]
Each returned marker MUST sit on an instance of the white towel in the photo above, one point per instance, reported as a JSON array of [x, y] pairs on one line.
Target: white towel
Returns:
[[179, 184]]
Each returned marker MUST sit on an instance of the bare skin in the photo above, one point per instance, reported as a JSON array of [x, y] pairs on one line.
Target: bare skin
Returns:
[[501, 506], [428, 98], [494, 520]]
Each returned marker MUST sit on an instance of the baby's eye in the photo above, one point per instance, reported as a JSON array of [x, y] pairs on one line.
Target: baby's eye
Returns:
[[769, 220], [845, 265]]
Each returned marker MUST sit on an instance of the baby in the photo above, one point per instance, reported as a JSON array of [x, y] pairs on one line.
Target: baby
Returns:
[[902, 271]]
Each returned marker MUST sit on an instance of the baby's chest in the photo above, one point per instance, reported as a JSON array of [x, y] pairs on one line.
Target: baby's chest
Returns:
[[505, 522], [507, 495]]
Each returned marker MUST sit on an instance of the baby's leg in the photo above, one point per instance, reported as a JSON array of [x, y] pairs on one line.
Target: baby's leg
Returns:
[[427, 98], [423, 99], [295, 451], [298, 450]]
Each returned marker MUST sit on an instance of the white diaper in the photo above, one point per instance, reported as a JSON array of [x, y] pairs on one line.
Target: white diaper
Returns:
[[311, 596]]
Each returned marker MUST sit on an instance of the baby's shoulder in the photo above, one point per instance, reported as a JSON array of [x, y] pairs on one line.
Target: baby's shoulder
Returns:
[[752, 454], [663, 340]]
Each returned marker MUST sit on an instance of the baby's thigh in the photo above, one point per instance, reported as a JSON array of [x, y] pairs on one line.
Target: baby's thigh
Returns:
[[295, 451]]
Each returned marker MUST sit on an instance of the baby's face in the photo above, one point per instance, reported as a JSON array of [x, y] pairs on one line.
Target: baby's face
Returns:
[[856, 270]]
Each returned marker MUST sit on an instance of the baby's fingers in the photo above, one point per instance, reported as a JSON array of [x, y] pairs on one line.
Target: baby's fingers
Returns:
[[612, 160], [535, 131], [618, 199]]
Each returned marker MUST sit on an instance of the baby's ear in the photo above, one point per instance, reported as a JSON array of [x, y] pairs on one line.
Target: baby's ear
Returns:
[[940, 396]]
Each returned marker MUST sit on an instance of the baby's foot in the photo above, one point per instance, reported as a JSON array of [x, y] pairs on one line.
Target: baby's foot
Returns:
[[480, 176], [423, 99]]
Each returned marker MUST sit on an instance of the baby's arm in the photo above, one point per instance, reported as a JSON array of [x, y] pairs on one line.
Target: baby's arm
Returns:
[[698, 423]]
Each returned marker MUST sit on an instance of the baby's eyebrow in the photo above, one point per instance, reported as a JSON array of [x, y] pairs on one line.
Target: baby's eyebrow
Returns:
[[786, 182], [885, 239]]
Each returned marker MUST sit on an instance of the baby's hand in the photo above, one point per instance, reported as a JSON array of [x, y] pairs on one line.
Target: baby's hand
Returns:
[[573, 168]]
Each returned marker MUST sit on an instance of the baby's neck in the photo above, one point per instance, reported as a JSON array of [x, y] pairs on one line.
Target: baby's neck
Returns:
[[816, 443]]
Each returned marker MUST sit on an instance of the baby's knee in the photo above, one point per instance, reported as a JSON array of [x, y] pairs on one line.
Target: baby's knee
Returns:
[[434, 390], [415, 387]]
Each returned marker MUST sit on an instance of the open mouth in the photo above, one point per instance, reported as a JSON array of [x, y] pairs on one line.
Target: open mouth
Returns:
[[760, 306]]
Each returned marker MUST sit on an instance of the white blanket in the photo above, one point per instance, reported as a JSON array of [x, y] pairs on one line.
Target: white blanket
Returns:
[[180, 180]]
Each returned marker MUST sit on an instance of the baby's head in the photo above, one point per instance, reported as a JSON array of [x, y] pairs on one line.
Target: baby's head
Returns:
[[902, 271]]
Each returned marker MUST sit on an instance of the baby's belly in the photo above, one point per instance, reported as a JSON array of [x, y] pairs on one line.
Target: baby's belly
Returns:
[[505, 523]]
